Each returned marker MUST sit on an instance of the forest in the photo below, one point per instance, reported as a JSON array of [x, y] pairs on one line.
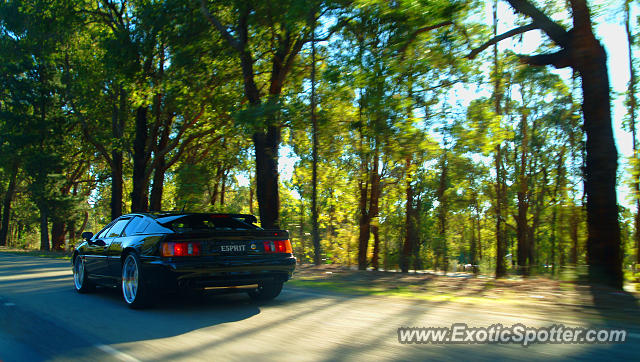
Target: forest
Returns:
[[388, 135]]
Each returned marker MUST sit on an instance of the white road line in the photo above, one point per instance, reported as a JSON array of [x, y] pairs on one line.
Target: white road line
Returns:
[[115, 353]]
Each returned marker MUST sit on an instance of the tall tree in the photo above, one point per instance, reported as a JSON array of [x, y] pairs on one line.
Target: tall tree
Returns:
[[289, 28], [499, 185], [581, 50], [315, 232], [6, 204], [631, 114]]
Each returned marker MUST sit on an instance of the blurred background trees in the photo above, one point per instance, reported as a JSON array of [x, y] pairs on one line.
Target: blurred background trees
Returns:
[[378, 133]]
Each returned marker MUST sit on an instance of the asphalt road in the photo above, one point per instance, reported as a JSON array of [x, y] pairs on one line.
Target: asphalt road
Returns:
[[43, 318]]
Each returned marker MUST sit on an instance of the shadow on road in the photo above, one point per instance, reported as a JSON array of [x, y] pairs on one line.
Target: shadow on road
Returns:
[[616, 308], [46, 287], [38, 303]]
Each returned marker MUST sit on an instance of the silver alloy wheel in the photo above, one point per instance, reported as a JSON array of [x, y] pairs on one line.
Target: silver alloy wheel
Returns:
[[130, 279], [78, 272]]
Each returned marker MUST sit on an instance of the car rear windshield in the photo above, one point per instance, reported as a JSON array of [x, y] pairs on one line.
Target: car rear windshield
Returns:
[[205, 222]]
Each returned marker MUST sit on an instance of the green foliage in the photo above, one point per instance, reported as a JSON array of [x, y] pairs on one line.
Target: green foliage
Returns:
[[73, 75]]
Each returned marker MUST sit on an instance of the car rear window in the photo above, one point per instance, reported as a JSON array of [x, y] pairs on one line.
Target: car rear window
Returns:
[[136, 226], [205, 222]]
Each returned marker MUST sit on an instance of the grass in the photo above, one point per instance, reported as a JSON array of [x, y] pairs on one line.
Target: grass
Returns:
[[540, 295], [410, 292], [65, 255]]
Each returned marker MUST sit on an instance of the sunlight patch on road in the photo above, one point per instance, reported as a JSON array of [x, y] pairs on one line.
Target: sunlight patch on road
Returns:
[[115, 353], [41, 275]]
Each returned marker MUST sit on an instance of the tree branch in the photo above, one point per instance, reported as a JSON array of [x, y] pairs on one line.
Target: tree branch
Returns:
[[184, 145], [556, 32], [83, 121], [288, 63], [342, 22], [185, 127], [419, 31], [559, 59], [235, 43], [501, 37]]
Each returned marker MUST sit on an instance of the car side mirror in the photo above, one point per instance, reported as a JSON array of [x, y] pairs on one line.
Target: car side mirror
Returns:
[[87, 235]]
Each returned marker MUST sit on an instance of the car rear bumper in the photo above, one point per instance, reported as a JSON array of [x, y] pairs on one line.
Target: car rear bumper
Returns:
[[202, 272]]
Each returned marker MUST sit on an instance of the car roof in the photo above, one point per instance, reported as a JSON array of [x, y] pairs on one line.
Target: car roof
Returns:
[[163, 214]]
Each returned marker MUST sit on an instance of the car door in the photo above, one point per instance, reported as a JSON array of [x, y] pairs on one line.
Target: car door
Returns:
[[100, 247], [129, 233], [93, 251]]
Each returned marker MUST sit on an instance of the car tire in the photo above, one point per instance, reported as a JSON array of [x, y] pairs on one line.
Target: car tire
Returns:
[[80, 278], [266, 291], [135, 292]]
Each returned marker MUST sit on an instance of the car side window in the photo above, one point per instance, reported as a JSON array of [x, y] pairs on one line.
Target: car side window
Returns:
[[103, 232], [117, 228], [136, 226]]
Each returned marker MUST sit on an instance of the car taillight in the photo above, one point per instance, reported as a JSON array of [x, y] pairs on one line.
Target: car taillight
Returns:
[[181, 249], [277, 246]]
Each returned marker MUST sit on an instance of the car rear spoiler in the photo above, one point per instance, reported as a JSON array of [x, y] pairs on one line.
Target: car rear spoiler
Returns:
[[168, 217]]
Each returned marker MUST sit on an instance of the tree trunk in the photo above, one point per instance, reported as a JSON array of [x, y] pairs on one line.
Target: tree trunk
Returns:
[[117, 188], [57, 235], [410, 230], [554, 216], [6, 207], [315, 232], [363, 240], [18, 235], [85, 220], [497, 98], [266, 153], [417, 261], [473, 247], [479, 228], [44, 229], [14, 230], [73, 233], [157, 188], [603, 244], [223, 187], [369, 198], [250, 194], [632, 102], [364, 221], [117, 130], [501, 270], [375, 263], [374, 201], [216, 184], [139, 193], [522, 228], [442, 213], [573, 234], [301, 234], [537, 207]]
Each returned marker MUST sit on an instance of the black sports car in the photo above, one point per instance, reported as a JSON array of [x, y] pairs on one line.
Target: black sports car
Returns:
[[145, 253]]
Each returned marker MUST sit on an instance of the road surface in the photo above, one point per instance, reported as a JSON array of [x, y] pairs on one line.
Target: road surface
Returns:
[[43, 318]]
